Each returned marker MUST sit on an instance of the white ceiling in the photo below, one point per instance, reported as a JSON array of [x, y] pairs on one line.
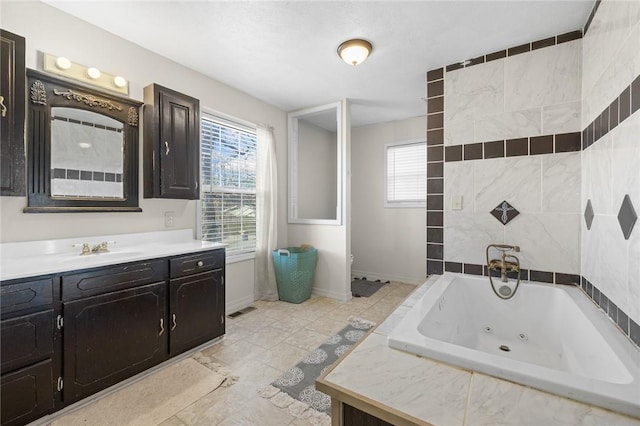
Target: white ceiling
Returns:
[[284, 52]]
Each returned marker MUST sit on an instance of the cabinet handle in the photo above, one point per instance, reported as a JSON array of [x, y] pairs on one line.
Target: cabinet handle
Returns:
[[166, 147], [173, 318], [200, 263], [3, 108], [161, 327]]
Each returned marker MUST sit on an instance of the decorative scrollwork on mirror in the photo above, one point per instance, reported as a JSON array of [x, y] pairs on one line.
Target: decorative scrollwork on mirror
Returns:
[[82, 148]]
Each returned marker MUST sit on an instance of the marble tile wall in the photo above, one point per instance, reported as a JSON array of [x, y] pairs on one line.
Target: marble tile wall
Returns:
[[610, 263], [510, 132]]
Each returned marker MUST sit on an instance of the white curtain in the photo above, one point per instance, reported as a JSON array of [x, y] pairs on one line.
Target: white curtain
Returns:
[[265, 287]]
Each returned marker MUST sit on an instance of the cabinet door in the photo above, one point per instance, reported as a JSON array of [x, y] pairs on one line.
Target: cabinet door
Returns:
[[110, 337], [26, 339], [196, 310], [27, 393], [171, 143], [12, 93]]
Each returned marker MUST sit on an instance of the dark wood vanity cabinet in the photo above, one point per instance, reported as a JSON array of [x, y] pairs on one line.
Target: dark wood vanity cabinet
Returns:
[[12, 114], [196, 300], [68, 336], [27, 350], [115, 332], [171, 144]]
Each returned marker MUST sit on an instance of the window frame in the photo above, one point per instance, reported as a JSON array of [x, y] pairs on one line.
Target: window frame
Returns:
[[224, 119], [402, 204]]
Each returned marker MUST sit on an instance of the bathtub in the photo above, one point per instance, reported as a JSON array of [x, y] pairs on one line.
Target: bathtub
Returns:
[[549, 337]]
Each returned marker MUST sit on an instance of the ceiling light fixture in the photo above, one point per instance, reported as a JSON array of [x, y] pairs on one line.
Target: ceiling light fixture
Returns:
[[355, 51]]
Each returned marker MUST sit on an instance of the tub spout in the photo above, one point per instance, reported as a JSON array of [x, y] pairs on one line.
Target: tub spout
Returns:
[[507, 263]]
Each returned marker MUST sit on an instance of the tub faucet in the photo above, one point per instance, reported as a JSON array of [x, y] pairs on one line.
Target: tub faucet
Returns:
[[503, 265]]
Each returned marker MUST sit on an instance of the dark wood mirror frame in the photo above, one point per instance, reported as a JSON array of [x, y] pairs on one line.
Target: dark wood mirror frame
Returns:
[[45, 91]]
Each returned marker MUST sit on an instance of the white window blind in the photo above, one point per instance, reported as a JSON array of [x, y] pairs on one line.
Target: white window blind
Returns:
[[406, 174], [228, 182]]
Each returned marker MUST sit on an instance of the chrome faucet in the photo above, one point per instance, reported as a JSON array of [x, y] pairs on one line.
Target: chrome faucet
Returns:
[[507, 263]]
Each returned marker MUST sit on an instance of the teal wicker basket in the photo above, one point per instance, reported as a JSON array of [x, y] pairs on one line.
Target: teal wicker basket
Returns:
[[294, 268]]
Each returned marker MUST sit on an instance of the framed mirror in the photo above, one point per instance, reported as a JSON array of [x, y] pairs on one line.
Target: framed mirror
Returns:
[[82, 148], [315, 165]]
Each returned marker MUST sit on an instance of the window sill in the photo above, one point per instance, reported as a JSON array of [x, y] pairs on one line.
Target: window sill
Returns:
[[240, 257]]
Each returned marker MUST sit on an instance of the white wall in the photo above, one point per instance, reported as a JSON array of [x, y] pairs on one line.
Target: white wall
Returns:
[[47, 29], [317, 171], [611, 166], [332, 277], [387, 243]]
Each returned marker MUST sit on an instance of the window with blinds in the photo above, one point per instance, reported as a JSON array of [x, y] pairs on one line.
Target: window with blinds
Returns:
[[406, 174], [228, 184]]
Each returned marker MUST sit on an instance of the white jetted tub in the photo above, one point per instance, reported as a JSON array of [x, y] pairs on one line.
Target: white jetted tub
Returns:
[[549, 337]]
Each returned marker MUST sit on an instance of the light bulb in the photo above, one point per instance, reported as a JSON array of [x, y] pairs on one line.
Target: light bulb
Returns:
[[94, 73], [119, 81], [63, 63]]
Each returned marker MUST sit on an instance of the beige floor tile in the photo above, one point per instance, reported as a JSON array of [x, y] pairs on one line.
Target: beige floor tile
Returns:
[[306, 339], [284, 356], [258, 411], [213, 408], [267, 337], [327, 326], [235, 353], [291, 324], [172, 421]]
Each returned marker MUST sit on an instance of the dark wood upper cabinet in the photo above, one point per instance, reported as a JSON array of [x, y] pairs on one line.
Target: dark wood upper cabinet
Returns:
[[171, 144], [12, 112], [82, 148]]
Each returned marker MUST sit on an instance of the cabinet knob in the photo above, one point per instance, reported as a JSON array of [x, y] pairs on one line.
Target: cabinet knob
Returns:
[[200, 263]]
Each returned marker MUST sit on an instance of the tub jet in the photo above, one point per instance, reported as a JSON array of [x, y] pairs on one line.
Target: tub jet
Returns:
[[505, 348]]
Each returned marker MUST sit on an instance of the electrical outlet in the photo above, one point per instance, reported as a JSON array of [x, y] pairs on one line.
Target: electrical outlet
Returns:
[[169, 220]]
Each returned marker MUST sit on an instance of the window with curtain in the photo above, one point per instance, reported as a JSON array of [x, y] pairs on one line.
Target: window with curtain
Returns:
[[406, 174], [228, 184]]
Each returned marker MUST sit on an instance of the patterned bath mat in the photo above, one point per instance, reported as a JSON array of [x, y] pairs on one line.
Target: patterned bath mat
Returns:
[[296, 389]]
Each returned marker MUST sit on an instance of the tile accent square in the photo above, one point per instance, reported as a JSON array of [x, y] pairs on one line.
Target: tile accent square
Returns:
[[541, 276], [635, 95], [473, 151], [435, 169], [435, 153], [435, 267], [453, 267], [435, 137], [496, 55], [627, 217], [435, 104], [435, 88], [435, 121], [588, 215], [504, 212], [613, 114], [494, 149], [453, 153], [435, 235], [472, 269], [568, 142], [523, 48], [625, 104], [436, 74], [573, 35], [517, 147], [543, 43], [541, 145]]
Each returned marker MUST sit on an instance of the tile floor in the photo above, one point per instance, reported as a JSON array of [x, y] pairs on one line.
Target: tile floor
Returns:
[[258, 347]]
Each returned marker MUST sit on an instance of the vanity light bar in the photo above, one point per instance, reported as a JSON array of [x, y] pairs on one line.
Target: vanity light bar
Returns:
[[91, 75]]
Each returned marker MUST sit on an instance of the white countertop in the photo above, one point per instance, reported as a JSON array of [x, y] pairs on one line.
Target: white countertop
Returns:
[[33, 258], [435, 393]]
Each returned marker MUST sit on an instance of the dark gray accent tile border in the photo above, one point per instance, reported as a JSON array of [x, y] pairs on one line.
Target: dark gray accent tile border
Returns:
[[591, 15], [435, 171], [516, 50], [534, 145], [627, 326]]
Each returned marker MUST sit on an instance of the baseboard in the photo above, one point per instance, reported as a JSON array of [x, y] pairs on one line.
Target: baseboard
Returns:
[[237, 304], [372, 276], [342, 297]]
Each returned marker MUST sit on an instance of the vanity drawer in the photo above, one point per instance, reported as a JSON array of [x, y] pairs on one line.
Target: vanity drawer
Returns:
[[26, 339], [27, 393], [112, 278], [196, 263], [18, 296]]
